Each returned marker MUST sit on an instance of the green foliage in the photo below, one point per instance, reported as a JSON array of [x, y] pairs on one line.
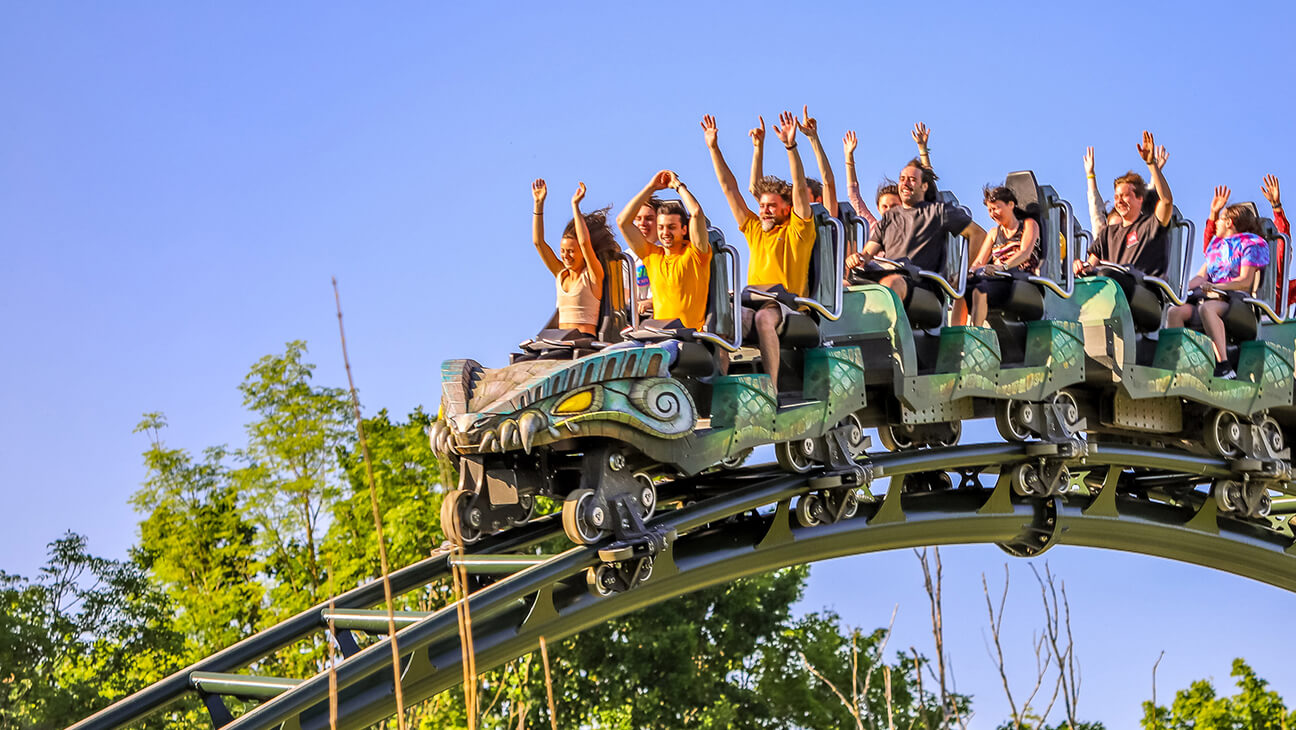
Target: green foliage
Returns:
[[1199, 707], [815, 670], [405, 471], [197, 543], [292, 476], [85, 631]]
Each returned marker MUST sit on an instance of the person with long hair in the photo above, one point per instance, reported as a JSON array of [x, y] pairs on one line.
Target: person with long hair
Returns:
[[577, 270], [1234, 260], [1013, 244]]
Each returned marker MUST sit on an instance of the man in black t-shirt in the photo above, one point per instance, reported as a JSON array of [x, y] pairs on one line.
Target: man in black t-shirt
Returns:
[[915, 230], [1138, 240]]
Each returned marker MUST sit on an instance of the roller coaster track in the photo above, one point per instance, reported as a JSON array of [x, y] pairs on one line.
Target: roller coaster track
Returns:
[[1148, 503]]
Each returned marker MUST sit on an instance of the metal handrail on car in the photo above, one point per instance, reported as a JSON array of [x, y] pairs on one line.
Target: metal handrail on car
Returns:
[[940, 280], [839, 261], [628, 283]]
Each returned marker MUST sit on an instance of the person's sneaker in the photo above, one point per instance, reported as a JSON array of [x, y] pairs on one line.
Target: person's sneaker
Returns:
[[1225, 371]]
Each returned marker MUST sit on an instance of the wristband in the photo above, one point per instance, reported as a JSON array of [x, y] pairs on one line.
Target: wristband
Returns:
[[791, 146], [1090, 176]]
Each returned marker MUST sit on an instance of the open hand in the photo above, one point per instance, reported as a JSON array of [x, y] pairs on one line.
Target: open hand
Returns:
[[709, 132], [539, 191], [1147, 150], [1270, 191], [1089, 161], [1220, 201], [787, 128], [921, 134], [849, 143], [1162, 156], [758, 134], [579, 195], [809, 126]]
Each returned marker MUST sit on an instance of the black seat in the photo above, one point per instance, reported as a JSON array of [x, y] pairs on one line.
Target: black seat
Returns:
[[926, 303], [800, 329], [721, 326], [1242, 319], [1148, 296], [615, 306]]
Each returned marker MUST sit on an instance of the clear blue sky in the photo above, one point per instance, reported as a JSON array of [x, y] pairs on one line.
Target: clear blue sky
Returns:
[[178, 182]]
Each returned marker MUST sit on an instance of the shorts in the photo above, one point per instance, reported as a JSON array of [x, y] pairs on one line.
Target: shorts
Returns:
[[749, 315]]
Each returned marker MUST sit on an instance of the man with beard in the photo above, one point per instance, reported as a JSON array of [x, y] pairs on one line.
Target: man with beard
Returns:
[[679, 267], [915, 230], [1136, 239], [781, 238]]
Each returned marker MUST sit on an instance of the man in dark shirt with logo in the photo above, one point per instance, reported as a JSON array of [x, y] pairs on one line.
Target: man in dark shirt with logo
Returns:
[[1138, 240], [915, 230]]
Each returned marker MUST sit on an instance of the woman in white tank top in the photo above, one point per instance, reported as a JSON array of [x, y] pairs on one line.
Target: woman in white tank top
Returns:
[[578, 274]]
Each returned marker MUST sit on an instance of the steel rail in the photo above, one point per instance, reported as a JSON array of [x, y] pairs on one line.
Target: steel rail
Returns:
[[155, 697], [505, 605], [551, 600]]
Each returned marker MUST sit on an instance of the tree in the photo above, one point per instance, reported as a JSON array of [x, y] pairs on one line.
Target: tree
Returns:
[[86, 631], [292, 476], [1254, 707], [197, 543]]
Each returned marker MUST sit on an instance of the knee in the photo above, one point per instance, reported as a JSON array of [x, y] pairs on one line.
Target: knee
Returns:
[[1179, 314], [767, 319]]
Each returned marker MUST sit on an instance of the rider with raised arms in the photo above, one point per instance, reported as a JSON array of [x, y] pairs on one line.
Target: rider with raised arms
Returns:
[[1138, 240], [679, 269], [781, 238]]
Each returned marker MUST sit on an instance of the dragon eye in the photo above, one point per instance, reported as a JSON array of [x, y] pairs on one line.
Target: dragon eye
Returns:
[[575, 403]]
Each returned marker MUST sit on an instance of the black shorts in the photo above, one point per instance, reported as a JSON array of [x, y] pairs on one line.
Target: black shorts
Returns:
[[996, 290]]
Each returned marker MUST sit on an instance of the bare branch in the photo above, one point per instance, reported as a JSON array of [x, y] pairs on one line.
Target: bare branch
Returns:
[[853, 709]]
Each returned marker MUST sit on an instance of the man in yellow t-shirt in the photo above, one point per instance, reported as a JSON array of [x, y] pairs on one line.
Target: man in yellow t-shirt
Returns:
[[780, 237], [679, 268]]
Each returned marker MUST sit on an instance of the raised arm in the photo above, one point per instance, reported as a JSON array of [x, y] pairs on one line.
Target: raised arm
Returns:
[[698, 234], [1274, 196], [1165, 203], [920, 136], [625, 219], [583, 238], [849, 143], [810, 128], [728, 185], [786, 132], [758, 154], [538, 193], [1097, 207], [1218, 203]]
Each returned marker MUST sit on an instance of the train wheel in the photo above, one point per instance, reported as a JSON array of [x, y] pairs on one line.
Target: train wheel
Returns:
[[794, 456], [1027, 481], [1228, 496], [461, 526], [1070, 409], [952, 435], [855, 440], [1011, 418], [602, 580], [896, 439], [1272, 434], [527, 503], [583, 519], [807, 507], [647, 496], [1222, 433], [737, 460]]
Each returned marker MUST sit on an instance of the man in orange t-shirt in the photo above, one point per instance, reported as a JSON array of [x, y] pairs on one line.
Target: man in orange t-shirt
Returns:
[[780, 237], [679, 268]]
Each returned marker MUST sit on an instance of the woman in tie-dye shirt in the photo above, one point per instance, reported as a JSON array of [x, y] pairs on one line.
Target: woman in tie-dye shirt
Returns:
[[1234, 259]]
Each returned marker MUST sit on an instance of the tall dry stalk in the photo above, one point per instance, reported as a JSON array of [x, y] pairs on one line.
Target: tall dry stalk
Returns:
[[377, 515]]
